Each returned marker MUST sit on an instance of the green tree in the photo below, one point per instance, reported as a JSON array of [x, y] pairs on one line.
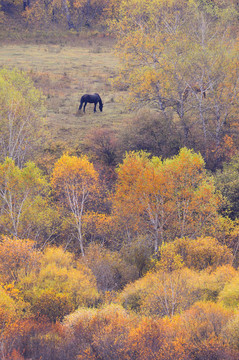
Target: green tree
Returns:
[[227, 181], [23, 194], [21, 105]]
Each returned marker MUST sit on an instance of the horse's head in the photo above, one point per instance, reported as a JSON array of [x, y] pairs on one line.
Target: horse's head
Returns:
[[101, 106]]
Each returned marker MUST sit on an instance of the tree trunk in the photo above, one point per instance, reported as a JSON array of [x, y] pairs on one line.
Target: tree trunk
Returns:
[[68, 15]]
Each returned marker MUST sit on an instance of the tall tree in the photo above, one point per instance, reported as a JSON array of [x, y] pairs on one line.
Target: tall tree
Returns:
[[169, 199], [23, 194], [75, 181], [20, 115]]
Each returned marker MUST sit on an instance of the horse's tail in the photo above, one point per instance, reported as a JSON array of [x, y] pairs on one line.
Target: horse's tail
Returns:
[[81, 103]]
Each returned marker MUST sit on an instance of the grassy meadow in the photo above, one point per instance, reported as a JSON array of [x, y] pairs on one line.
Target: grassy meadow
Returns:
[[64, 73]]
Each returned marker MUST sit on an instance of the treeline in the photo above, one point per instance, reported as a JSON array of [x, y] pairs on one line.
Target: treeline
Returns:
[[66, 15]]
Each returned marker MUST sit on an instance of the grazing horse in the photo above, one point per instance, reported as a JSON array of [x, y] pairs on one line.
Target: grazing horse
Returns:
[[95, 98]]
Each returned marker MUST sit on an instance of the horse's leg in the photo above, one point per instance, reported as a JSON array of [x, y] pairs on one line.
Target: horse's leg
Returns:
[[95, 108], [85, 106]]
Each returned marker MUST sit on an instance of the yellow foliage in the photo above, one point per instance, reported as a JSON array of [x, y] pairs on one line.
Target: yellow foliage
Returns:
[[169, 259], [197, 254], [60, 274], [212, 283], [96, 225], [229, 296], [74, 174], [8, 308], [161, 293], [74, 181], [231, 331], [21, 195], [58, 257]]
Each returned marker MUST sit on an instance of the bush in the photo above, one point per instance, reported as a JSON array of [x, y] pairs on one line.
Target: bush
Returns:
[[199, 254], [52, 305], [110, 270], [161, 293], [229, 296], [150, 132], [60, 282], [17, 255]]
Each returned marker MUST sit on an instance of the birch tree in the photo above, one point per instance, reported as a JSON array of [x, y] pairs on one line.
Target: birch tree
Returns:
[[75, 181], [21, 192]]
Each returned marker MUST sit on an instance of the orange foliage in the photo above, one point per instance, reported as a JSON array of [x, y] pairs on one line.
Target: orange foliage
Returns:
[[17, 256], [155, 340], [203, 325], [171, 198]]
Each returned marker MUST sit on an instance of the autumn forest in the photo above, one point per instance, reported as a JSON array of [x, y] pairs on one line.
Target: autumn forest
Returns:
[[119, 230]]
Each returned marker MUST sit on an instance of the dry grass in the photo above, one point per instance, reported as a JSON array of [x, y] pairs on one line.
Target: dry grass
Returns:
[[64, 73]]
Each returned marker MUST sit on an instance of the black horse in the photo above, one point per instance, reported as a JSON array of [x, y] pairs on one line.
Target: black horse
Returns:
[[95, 98]]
